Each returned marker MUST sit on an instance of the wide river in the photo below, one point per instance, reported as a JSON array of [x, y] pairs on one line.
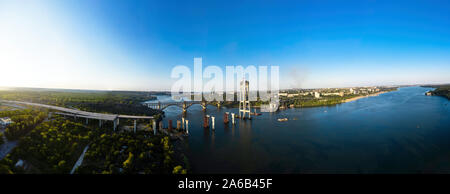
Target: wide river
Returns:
[[397, 132]]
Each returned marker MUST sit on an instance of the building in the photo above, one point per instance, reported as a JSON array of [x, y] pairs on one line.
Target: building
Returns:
[[5, 121], [331, 94], [291, 95], [316, 94]]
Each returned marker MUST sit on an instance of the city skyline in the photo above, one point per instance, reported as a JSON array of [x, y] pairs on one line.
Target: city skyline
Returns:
[[112, 45]]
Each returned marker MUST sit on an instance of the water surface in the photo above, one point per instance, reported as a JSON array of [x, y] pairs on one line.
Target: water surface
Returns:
[[397, 132]]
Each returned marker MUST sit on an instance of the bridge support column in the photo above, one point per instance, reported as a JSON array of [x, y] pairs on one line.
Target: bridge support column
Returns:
[[182, 122], [187, 126], [225, 118], [170, 125], [154, 127], [115, 124], [178, 124], [232, 118], [212, 122], [87, 121], [134, 126], [205, 122], [100, 123], [118, 120]]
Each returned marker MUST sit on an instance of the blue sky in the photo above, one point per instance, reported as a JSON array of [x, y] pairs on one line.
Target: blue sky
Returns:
[[133, 45]]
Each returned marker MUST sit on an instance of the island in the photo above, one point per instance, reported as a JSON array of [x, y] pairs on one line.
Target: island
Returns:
[[440, 90]]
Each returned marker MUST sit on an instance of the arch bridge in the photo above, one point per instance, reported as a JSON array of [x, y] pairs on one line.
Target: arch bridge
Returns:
[[184, 105]]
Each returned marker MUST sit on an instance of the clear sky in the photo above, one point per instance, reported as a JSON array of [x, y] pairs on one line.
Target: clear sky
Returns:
[[133, 45]]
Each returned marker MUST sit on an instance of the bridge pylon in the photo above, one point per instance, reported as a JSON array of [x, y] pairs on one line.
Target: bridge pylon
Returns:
[[244, 102]]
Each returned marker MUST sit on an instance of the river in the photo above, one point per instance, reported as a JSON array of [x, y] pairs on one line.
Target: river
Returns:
[[402, 131]]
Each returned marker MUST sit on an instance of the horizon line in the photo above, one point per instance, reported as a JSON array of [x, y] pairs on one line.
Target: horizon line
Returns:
[[119, 90]]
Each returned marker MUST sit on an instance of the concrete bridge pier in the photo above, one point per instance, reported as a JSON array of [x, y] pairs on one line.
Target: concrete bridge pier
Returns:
[[87, 121], [212, 122], [170, 125], [219, 104], [154, 127], [182, 122], [232, 118], [187, 126], [178, 125], [100, 123], [115, 124], [134, 126]]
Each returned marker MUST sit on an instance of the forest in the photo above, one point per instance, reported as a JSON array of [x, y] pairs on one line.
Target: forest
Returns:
[[441, 90], [53, 145], [131, 153], [24, 121], [115, 102]]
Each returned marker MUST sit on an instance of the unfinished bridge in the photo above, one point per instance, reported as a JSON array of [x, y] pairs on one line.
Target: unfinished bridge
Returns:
[[101, 117]]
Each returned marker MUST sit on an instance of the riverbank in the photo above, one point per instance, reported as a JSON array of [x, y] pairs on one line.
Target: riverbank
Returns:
[[317, 103], [441, 90], [359, 97]]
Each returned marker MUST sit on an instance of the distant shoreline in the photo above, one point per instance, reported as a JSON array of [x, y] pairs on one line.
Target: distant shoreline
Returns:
[[359, 97]]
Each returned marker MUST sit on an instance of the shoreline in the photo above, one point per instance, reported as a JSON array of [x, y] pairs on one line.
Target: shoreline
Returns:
[[359, 97]]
